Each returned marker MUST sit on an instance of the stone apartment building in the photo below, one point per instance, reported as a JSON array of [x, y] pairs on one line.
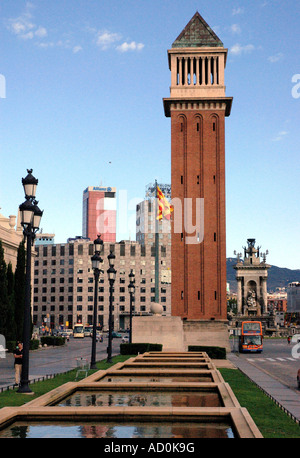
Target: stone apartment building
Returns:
[[63, 289]]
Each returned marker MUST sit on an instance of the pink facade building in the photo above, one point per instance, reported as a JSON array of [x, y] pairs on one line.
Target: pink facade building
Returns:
[[99, 213]]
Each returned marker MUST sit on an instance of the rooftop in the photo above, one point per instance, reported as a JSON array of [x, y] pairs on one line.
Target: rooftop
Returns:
[[197, 33]]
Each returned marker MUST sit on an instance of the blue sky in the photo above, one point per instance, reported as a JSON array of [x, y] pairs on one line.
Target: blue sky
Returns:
[[81, 89]]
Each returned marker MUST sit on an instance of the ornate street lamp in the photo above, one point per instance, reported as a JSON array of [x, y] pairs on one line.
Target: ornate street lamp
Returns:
[[30, 220], [131, 289], [96, 261], [111, 278]]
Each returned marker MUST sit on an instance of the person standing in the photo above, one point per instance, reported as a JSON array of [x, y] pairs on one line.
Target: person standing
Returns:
[[18, 355]]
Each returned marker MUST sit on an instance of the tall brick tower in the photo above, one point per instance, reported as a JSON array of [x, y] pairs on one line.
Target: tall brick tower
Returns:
[[197, 107]]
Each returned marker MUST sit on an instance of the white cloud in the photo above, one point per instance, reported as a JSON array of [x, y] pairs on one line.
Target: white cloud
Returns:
[[237, 49], [237, 11], [280, 136], [24, 27], [235, 28], [41, 32], [276, 58], [105, 39], [133, 46], [76, 49]]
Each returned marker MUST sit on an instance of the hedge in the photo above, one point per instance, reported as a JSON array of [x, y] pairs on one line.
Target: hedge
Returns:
[[135, 348], [212, 352], [54, 341], [11, 345]]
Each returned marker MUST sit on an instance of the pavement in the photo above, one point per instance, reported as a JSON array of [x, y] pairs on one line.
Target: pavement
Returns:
[[48, 361], [285, 397]]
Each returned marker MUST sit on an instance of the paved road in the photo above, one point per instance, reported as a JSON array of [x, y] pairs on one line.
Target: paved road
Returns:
[[278, 359], [54, 360]]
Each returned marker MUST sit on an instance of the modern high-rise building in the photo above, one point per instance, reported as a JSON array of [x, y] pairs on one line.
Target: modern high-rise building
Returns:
[[197, 107], [99, 213]]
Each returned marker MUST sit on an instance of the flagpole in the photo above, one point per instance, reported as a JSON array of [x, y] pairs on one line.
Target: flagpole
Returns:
[[156, 247]]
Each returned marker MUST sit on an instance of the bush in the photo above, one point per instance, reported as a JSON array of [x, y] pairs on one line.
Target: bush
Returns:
[[54, 341], [11, 345], [34, 344], [212, 352], [135, 348]]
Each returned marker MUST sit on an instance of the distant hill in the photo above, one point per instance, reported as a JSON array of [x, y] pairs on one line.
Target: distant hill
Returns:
[[278, 277]]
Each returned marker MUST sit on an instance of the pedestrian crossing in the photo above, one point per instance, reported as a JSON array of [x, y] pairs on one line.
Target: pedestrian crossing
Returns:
[[273, 359]]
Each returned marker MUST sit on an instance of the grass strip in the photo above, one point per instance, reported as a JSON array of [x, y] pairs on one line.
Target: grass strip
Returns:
[[270, 419], [11, 398]]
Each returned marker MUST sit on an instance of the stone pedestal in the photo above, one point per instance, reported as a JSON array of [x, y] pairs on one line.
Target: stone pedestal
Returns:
[[165, 330], [207, 333], [176, 334]]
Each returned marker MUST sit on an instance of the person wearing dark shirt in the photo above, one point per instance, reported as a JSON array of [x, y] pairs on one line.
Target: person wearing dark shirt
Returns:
[[18, 355]]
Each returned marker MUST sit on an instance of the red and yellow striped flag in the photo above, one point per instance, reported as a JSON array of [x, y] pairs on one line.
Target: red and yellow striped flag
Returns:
[[164, 208]]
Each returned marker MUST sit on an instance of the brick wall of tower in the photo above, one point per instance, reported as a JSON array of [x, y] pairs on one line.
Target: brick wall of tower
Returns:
[[198, 171]]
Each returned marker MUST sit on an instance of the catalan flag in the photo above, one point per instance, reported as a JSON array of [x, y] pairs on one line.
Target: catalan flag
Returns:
[[164, 208]]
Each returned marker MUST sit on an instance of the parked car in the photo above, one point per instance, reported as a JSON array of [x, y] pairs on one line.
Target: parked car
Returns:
[[125, 339], [66, 335], [116, 334]]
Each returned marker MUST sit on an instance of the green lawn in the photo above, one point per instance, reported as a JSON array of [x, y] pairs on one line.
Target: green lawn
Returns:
[[269, 418]]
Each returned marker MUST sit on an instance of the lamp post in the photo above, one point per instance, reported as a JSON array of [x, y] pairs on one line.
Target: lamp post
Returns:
[[30, 221], [131, 289], [111, 278], [96, 261]]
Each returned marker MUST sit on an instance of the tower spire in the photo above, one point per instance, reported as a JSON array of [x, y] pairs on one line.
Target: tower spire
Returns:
[[196, 34]]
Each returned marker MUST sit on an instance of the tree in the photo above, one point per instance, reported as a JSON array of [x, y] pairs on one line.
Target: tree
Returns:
[[4, 300], [10, 317], [19, 288]]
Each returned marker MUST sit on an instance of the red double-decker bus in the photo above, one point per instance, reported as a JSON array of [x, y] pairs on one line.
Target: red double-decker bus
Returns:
[[251, 338]]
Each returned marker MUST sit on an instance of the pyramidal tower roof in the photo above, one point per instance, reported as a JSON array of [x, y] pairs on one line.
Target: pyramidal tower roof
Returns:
[[196, 34]]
